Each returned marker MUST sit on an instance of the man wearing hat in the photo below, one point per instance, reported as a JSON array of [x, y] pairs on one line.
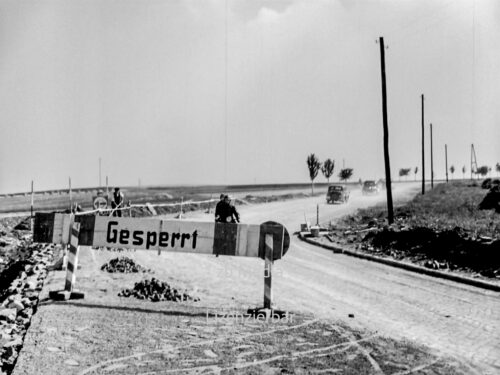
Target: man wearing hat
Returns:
[[218, 208], [117, 202], [227, 212]]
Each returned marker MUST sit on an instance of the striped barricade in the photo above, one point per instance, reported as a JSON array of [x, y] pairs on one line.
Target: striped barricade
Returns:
[[269, 241]]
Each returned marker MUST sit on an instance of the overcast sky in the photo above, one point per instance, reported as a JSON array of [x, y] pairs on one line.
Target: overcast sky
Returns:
[[240, 91]]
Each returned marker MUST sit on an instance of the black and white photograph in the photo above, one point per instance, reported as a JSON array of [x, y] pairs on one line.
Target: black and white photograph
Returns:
[[249, 187]]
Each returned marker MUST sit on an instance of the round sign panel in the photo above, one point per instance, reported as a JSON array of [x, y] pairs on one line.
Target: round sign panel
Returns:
[[281, 239], [100, 203]]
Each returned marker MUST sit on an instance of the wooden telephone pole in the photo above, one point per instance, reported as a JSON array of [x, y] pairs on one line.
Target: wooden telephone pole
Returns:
[[390, 210], [473, 161], [446, 160], [423, 148], [432, 164]]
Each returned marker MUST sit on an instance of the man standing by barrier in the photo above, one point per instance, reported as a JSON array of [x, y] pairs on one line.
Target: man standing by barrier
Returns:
[[118, 202], [226, 212]]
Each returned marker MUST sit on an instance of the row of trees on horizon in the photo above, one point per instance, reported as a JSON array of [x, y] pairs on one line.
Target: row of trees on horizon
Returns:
[[327, 167], [482, 171]]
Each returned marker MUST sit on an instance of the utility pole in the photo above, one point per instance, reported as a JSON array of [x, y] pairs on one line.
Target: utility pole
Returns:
[[446, 160], [432, 164], [471, 148], [423, 148], [473, 161], [32, 201], [390, 211], [70, 196]]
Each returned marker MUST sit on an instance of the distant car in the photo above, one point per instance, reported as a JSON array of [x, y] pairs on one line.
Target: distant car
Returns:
[[337, 193], [370, 188]]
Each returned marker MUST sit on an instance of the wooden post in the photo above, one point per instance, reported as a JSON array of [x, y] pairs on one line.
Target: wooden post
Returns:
[[432, 164], [268, 295], [471, 165], [446, 160], [317, 215], [423, 148], [70, 196], [100, 184], [388, 184], [209, 204], [32, 201]]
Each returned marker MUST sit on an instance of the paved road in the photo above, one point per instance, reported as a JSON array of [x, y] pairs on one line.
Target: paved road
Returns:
[[456, 319]]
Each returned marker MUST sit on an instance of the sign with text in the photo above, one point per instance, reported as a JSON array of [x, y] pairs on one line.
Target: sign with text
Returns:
[[100, 203], [166, 235]]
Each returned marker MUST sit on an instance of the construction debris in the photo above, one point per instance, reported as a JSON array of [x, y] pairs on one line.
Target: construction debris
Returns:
[[155, 290], [123, 265]]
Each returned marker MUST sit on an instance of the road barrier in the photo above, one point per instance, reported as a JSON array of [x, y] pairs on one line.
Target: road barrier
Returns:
[[268, 241], [109, 211]]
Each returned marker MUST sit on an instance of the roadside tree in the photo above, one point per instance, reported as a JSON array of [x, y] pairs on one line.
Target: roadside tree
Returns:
[[327, 168], [452, 170], [497, 168], [415, 173], [404, 172], [482, 170], [345, 174], [314, 165], [463, 172]]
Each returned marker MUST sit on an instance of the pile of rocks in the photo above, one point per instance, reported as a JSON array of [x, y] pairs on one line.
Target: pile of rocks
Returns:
[[12, 241], [123, 265], [155, 290], [21, 283]]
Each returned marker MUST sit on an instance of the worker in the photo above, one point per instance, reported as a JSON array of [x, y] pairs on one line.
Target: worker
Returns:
[[117, 202], [218, 208], [229, 214]]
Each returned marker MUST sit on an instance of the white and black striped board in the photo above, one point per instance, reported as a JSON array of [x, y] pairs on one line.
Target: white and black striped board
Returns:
[[164, 235]]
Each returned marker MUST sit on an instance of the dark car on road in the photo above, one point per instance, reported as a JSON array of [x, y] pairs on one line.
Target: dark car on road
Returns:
[[370, 188], [337, 193]]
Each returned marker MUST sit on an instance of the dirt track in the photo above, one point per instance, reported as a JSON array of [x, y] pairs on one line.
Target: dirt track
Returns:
[[453, 319]]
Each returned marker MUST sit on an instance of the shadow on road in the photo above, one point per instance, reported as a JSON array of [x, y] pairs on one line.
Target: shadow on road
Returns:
[[47, 302]]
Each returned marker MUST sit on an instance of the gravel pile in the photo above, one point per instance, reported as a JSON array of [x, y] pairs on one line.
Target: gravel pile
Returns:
[[123, 265], [155, 290]]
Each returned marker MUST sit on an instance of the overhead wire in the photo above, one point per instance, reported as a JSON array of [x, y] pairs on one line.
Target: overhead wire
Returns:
[[225, 90]]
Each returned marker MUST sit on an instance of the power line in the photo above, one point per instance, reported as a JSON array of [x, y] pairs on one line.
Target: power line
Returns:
[[225, 93]]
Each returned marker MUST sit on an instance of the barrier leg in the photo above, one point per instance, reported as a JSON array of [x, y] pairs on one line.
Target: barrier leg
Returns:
[[268, 272], [267, 311], [72, 266]]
